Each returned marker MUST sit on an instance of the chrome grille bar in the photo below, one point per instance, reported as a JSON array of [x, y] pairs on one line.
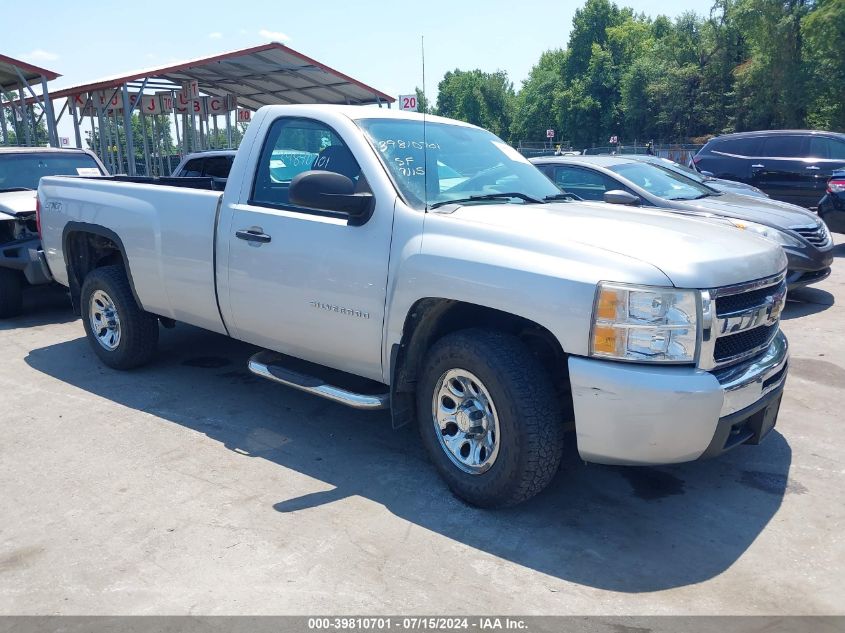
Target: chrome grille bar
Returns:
[[754, 305]]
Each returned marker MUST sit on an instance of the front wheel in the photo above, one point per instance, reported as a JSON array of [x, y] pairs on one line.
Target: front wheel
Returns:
[[122, 335], [489, 418]]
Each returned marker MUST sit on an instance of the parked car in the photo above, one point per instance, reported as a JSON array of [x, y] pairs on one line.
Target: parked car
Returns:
[[832, 206], [719, 184], [626, 181], [789, 165], [491, 311], [20, 170], [212, 164]]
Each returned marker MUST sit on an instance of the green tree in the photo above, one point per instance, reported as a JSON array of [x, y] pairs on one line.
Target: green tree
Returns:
[[823, 32], [483, 99], [535, 108]]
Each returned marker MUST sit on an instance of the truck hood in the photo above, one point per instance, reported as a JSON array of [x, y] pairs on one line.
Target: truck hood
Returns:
[[781, 215], [15, 203], [691, 252]]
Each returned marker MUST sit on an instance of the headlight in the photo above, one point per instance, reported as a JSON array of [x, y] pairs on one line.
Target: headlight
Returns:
[[644, 324], [771, 234]]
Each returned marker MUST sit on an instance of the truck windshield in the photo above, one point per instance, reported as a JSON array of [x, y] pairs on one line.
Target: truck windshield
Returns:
[[453, 162], [662, 182], [23, 170]]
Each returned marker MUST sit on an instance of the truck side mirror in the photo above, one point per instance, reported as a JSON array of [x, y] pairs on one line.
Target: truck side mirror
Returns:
[[617, 196], [330, 191]]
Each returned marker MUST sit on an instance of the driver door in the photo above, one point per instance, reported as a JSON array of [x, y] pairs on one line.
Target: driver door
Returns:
[[303, 281]]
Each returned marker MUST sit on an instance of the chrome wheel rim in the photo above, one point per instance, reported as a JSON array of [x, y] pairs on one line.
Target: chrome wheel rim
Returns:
[[105, 323], [465, 421]]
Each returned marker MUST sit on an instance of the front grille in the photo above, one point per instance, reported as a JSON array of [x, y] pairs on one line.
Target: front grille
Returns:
[[815, 235], [743, 301], [741, 321], [734, 345]]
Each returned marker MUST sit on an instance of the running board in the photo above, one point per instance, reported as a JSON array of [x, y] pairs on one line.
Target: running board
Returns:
[[276, 367]]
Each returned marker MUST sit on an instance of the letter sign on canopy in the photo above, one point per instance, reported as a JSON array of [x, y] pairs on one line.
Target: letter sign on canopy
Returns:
[[244, 116]]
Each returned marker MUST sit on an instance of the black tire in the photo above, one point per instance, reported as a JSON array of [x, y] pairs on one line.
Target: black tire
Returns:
[[138, 329], [530, 438], [11, 295]]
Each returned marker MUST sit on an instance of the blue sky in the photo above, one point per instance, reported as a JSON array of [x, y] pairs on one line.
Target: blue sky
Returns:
[[375, 42]]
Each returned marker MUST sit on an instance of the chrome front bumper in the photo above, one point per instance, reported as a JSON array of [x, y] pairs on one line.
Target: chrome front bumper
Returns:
[[645, 415], [746, 384]]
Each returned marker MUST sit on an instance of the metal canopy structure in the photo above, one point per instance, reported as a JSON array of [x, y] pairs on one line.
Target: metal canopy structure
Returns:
[[269, 74], [17, 75], [236, 82]]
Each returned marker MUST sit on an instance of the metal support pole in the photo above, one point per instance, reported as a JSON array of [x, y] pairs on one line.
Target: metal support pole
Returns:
[[146, 147], [185, 132], [101, 134], [117, 144], [3, 127], [157, 143], [128, 133], [10, 103], [48, 109], [24, 117], [228, 128], [77, 135]]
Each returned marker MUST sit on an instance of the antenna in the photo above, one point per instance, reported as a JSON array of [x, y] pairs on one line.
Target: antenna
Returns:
[[425, 138]]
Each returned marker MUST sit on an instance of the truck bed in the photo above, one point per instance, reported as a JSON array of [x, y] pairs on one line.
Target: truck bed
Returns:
[[167, 230]]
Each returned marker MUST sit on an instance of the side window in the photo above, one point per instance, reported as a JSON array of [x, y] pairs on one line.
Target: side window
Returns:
[[824, 147], [837, 149], [585, 183], [783, 146], [294, 146], [217, 166], [749, 146], [193, 168]]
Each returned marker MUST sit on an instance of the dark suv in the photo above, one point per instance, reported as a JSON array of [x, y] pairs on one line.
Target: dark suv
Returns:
[[789, 165]]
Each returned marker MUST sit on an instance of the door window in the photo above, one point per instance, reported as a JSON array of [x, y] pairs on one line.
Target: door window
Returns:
[[824, 147], [295, 146], [783, 146], [587, 184], [749, 146]]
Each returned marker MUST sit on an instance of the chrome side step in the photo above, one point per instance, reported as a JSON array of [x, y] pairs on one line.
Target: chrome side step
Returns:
[[270, 365]]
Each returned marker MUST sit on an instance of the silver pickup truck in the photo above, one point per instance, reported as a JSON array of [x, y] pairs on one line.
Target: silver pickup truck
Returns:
[[386, 260]]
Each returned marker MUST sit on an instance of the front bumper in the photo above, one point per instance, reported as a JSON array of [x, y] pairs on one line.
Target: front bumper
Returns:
[[642, 415], [808, 265], [26, 256]]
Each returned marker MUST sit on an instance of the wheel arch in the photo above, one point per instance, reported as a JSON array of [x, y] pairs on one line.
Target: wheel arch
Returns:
[[87, 246], [431, 318]]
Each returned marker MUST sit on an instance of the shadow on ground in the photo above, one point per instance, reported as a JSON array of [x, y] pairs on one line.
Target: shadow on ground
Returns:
[[42, 305], [623, 529], [805, 301]]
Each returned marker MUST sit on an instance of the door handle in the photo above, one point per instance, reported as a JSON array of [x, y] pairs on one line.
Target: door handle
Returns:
[[758, 166], [253, 235], [813, 167]]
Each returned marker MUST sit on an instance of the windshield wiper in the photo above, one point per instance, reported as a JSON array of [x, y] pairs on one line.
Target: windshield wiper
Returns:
[[489, 196], [16, 189], [562, 196]]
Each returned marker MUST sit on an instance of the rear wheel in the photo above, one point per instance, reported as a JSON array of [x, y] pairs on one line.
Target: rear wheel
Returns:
[[11, 296], [489, 418], [122, 335]]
